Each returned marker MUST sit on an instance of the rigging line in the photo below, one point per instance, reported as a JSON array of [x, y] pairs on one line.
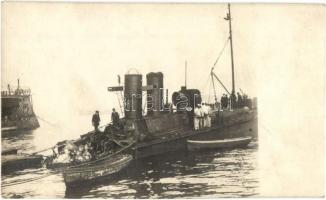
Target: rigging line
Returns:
[[119, 102], [214, 87], [213, 74], [46, 149], [50, 123], [123, 103], [37, 152], [220, 54], [53, 124]]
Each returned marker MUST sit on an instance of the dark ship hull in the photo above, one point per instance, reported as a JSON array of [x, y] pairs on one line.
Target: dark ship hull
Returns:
[[164, 128], [176, 139], [30, 123], [168, 132], [17, 111]]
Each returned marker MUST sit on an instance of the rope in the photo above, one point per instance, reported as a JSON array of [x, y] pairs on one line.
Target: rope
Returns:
[[41, 151], [213, 74], [220, 54], [52, 124], [121, 108], [214, 87], [216, 61]]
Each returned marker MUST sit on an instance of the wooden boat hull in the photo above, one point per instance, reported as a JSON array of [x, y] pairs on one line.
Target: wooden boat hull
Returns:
[[218, 144], [15, 162], [9, 128], [76, 175], [9, 152]]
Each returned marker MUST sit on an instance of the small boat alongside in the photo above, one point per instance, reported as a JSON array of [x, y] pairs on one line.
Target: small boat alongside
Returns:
[[95, 155], [218, 144], [10, 128], [13, 162], [110, 166], [9, 152]]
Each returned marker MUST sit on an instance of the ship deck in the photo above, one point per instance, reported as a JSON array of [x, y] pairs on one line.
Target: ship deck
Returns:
[[227, 119]]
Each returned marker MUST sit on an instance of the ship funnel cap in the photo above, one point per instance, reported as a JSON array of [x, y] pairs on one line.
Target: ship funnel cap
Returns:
[[133, 71]]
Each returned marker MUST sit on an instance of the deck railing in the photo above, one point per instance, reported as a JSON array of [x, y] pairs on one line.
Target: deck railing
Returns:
[[17, 92]]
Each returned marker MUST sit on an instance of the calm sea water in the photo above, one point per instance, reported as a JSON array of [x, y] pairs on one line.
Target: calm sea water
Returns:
[[227, 173]]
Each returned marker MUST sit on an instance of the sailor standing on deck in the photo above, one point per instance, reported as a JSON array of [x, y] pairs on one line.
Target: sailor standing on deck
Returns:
[[206, 112], [197, 117], [96, 120], [115, 118], [209, 119]]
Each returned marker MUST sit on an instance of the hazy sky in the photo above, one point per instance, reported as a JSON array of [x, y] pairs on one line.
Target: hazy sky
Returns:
[[69, 53]]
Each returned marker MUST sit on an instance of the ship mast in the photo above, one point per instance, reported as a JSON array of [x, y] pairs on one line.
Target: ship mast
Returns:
[[228, 17], [186, 74], [213, 75]]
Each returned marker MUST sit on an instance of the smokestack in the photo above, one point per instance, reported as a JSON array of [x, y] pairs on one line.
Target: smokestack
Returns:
[[133, 96], [155, 96]]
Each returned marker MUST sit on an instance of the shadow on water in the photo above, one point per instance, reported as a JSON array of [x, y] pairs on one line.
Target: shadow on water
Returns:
[[226, 173], [17, 139], [206, 174]]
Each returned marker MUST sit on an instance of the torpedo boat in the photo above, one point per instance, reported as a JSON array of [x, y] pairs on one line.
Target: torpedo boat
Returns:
[[159, 126]]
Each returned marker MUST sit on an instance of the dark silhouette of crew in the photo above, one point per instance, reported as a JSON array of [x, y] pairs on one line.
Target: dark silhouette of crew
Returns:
[[240, 100], [224, 101], [96, 120], [115, 118], [233, 100]]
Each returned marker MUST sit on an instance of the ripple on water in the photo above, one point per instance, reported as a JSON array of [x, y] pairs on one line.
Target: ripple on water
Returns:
[[228, 173]]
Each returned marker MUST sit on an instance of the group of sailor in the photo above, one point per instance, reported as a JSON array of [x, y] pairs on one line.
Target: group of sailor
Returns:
[[96, 144], [237, 101], [115, 118], [202, 116]]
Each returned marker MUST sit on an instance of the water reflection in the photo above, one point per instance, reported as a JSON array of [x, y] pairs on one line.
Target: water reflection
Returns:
[[228, 173], [17, 139], [206, 174]]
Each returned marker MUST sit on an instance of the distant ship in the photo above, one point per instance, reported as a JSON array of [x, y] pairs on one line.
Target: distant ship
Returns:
[[17, 111]]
